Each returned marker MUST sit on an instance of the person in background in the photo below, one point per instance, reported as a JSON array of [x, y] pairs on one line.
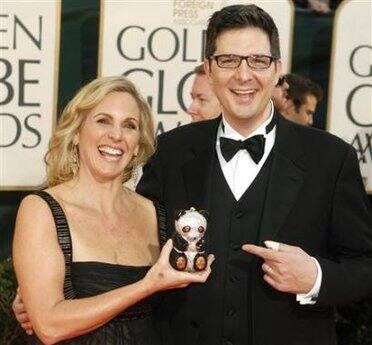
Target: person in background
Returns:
[[86, 249], [302, 97], [204, 105], [318, 6]]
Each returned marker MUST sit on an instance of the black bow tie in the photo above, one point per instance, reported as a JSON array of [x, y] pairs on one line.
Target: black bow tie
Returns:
[[254, 145]]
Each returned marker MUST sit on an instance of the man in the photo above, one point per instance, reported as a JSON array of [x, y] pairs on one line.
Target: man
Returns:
[[297, 186], [303, 96], [204, 105]]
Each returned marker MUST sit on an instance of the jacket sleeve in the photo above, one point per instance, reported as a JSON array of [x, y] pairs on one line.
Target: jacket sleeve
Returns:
[[151, 187], [347, 274]]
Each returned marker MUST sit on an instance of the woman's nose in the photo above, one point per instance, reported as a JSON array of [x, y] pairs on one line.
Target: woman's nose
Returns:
[[116, 133]]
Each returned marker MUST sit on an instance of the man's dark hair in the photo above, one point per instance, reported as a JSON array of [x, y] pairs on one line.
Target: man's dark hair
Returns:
[[299, 87], [199, 70], [240, 17]]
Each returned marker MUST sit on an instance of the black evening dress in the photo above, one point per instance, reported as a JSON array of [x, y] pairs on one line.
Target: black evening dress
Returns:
[[135, 325]]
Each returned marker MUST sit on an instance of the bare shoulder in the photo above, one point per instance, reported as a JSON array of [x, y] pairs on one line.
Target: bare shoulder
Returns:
[[37, 207], [34, 221], [33, 217], [34, 207]]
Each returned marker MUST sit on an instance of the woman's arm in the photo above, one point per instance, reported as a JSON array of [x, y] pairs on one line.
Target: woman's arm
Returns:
[[40, 270]]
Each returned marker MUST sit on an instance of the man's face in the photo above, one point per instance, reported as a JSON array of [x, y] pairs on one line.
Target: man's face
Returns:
[[304, 115], [243, 93], [204, 105]]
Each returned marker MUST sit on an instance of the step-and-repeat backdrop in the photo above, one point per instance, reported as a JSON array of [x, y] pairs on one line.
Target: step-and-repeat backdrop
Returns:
[[350, 100], [157, 45], [29, 55]]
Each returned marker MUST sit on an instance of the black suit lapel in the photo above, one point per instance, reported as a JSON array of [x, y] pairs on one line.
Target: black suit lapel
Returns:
[[286, 179], [197, 169]]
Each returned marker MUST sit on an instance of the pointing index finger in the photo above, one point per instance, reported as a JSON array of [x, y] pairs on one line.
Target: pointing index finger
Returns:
[[264, 253]]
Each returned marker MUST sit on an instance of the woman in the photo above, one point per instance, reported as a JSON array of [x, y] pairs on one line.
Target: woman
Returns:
[[83, 248]]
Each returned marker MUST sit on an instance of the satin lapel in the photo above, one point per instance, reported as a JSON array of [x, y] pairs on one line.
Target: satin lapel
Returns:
[[286, 179], [197, 169]]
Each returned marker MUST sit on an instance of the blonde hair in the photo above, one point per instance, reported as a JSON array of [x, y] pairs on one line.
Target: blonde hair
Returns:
[[59, 156]]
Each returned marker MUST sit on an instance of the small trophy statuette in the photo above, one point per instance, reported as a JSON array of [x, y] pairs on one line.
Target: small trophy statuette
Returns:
[[188, 252]]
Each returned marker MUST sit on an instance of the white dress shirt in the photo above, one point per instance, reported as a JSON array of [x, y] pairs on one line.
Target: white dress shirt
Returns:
[[240, 171]]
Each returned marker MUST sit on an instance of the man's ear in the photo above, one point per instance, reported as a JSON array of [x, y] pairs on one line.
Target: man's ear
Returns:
[[290, 109], [278, 69], [207, 67]]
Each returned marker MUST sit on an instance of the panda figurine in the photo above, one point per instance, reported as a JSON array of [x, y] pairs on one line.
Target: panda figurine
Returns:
[[188, 252]]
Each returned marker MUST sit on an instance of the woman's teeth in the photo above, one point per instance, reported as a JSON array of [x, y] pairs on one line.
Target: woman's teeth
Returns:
[[107, 150]]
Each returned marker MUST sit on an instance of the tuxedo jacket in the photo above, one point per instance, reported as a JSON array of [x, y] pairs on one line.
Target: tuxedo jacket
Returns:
[[315, 200]]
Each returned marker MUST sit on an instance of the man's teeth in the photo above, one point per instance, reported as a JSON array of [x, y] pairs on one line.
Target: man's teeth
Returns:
[[110, 150]]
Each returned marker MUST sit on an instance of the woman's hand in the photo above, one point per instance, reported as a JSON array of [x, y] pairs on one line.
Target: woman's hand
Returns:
[[162, 276]]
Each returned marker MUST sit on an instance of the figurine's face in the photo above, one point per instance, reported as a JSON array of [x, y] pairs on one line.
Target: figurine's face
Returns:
[[191, 226]]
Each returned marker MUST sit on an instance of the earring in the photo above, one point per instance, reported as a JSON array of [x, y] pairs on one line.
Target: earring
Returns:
[[135, 174], [74, 160]]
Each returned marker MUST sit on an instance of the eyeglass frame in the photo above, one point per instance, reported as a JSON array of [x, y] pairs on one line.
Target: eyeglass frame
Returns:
[[244, 57]]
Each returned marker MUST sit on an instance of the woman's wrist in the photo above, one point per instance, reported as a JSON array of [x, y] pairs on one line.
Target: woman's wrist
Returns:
[[147, 285]]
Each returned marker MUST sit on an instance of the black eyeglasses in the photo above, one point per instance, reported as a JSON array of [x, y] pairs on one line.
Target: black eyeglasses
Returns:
[[257, 62]]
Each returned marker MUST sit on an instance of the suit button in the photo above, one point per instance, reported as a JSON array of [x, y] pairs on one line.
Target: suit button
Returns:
[[230, 312], [234, 246], [239, 214], [233, 278], [228, 342]]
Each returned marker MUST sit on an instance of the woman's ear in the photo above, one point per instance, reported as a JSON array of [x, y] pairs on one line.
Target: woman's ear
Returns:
[[136, 151], [75, 140]]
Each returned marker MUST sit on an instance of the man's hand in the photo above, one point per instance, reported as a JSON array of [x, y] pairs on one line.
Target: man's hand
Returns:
[[21, 314], [286, 268]]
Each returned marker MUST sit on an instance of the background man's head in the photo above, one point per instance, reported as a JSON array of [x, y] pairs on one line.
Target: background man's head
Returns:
[[204, 105], [243, 63], [303, 96]]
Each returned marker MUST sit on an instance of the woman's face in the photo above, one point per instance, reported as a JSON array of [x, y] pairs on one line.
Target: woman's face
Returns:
[[109, 137]]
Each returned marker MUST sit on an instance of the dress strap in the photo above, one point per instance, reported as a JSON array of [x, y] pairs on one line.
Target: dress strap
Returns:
[[64, 239], [162, 222]]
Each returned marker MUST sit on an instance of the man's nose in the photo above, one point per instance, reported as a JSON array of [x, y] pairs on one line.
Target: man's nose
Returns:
[[244, 72], [192, 110]]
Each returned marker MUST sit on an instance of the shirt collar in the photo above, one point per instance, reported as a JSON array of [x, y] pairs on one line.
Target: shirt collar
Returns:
[[227, 131]]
